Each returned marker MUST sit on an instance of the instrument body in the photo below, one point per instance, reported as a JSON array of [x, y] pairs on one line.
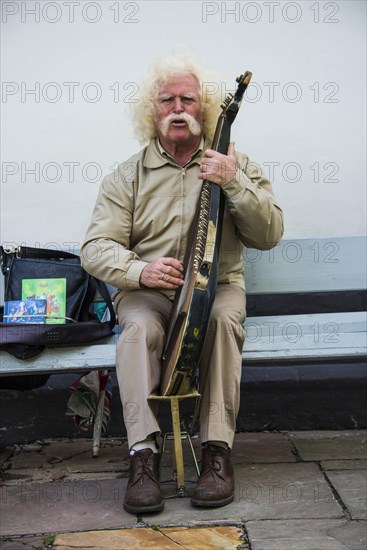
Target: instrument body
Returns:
[[193, 301]]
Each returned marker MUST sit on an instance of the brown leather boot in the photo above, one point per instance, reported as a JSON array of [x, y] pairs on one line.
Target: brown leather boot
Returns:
[[215, 486], [143, 493]]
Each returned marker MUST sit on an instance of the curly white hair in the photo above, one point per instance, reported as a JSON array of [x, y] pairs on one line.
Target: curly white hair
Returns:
[[164, 69]]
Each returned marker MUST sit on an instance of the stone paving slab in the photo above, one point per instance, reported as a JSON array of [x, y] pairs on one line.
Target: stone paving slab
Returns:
[[326, 534], [262, 448], [25, 543], [107, 460], [71, 491], [330, 445], [39, 453], [63, 506], [43, 475], [67, 460], [344, 464], [14, 477], [202, 538], [248, 447], [352, 489], [62, 450], [5, 455], [169, 484], [78, 458], [33, 459], [262, 491]]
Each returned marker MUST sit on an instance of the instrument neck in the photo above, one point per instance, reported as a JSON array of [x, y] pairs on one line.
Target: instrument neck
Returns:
[[222, 135]]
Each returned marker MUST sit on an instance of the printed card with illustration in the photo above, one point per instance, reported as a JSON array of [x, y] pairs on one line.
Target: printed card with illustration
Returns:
[[25, 311], [51, 290]]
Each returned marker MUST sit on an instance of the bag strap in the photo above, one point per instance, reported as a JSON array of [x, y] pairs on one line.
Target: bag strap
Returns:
[[29, 252], [103, 290]]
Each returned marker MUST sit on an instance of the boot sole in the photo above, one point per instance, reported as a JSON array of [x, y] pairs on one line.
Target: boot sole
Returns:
[[143, 509], [212, 503]]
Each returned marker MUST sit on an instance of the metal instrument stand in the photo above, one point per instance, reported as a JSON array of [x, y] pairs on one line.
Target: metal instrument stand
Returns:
[[178, 436]]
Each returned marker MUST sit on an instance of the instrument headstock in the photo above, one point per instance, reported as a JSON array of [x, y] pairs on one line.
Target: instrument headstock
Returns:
[[232, 103]]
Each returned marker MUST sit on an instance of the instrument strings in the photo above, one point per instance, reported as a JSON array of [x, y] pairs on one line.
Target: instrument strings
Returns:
[[203, 223]]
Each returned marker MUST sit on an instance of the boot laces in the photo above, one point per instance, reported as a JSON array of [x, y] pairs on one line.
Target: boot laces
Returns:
[[214, 466], [143, 470]]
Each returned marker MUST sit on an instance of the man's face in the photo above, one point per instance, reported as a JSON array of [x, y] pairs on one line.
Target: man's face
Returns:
[[178, 114]]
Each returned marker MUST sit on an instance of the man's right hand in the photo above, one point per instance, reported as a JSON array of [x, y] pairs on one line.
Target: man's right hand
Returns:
[[163, 273]]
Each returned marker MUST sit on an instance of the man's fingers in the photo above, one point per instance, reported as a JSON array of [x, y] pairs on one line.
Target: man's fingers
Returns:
[[218, 168], [172, 263], [209, 153], [163, 273], [231, 152], [171, 272], [169, 281]]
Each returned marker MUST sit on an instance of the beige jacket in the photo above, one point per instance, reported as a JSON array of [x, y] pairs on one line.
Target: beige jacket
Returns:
[[145, 207]]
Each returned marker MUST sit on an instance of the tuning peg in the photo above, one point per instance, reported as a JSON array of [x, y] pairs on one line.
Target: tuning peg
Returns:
[[227, 101], [244, 78]]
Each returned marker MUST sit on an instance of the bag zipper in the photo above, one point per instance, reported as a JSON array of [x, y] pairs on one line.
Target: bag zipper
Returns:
[[13, 250]]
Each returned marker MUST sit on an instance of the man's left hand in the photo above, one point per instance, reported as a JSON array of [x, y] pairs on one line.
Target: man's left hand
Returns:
[[218, 168]]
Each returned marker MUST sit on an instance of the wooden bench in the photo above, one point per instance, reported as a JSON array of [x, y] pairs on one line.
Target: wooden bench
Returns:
[[269, 339], [305, 301]]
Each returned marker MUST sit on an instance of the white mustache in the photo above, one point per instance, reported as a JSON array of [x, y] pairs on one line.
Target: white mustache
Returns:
[[194, 126]]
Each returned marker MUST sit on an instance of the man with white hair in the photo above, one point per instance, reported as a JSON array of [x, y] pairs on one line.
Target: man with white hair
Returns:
[[136, 242]]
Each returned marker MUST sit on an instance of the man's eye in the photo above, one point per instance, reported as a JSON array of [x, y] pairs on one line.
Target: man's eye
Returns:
[[166, 100], [188, 100]]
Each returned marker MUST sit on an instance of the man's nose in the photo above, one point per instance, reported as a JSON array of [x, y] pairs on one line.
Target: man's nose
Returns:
[[178, 105]]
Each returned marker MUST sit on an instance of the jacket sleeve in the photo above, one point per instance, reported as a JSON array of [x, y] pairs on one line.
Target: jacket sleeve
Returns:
[[257, 215], [105, 252]]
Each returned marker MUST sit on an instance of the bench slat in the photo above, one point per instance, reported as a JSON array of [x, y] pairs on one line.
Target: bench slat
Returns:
[[311, 337], [277, 356], [310, 323], [269, 339], [308, 265], [70, 359]]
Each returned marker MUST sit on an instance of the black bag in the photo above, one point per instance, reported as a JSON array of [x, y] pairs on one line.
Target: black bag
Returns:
[[25, 340]]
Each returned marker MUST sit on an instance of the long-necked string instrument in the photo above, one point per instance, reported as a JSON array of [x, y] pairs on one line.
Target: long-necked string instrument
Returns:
[[188, 323]]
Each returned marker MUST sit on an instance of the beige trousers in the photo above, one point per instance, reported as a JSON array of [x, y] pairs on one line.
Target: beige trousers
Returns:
[[143, 314]]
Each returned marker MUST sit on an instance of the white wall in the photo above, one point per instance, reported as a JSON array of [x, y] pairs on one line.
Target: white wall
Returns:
[[306, 49]]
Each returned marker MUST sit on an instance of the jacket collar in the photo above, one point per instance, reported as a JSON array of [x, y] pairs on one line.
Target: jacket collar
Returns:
[[155, 155]]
